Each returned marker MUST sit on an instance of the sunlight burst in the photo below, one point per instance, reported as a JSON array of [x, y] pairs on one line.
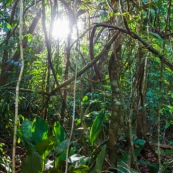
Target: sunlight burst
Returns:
[[61, 29]]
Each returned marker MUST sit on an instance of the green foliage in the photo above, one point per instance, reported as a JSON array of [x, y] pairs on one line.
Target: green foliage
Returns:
[[26, 130], [99, 161], [39, 130], [33, 163], [47, 144], [39, 145], [96, 127], [39, 149], [58, 132]]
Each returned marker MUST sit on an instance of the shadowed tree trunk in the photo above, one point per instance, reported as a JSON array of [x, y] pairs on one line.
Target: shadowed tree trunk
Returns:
[[141, 113], [72, 22], [116, 106]]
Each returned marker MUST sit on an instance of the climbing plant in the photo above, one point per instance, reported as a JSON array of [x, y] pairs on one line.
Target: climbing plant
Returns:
[[103, 68]]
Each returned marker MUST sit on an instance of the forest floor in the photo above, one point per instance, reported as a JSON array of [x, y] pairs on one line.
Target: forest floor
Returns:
[[147, 161]]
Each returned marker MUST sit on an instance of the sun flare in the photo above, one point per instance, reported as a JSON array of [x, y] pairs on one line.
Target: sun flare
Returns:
[[61, 29]]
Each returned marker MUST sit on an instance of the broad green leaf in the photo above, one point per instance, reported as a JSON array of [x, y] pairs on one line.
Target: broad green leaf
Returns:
[[96, 128], [45, 146], [60, 160], [61, 147], [58, 132], [32, 163], [99, 161], [39, 130], [85, 98], [26, 127]]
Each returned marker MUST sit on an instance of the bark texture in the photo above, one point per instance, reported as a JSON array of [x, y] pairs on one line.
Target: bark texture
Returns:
[[114, 75]]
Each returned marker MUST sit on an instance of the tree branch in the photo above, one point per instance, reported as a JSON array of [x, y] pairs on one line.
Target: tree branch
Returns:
[[91, 51], [25, 90], [89, 65], [106, 49], [136, 36]]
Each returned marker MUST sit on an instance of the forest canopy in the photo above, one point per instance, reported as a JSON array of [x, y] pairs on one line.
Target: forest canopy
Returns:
[[86, 86]]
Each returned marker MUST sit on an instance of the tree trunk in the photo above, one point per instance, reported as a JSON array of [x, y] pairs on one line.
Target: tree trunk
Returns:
[[141, 112], [114, 75]]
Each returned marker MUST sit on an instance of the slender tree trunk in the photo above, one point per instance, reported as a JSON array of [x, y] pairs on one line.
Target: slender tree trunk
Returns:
[[17, 87], [141, 112]]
